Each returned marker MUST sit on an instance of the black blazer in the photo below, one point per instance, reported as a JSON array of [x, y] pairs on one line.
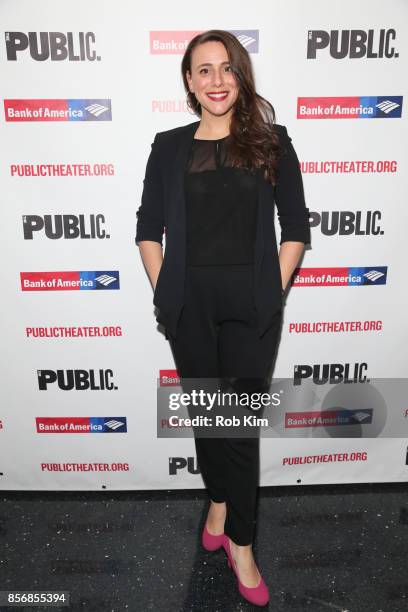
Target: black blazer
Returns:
[[162, 209]]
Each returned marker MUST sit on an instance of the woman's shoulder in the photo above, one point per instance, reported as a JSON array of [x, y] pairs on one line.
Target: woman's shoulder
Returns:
[[172, 135], [280, 129]]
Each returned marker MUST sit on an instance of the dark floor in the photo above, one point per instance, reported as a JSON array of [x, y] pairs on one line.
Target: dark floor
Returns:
[[320, 549]]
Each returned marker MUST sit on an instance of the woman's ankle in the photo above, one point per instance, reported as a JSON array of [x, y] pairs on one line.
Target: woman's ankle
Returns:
[[218, 504], [241, 550], [218, 509]]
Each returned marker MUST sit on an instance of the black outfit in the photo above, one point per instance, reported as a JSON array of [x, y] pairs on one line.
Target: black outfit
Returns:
[[219, 290], [163, 208], [221, 205], [217, 330]]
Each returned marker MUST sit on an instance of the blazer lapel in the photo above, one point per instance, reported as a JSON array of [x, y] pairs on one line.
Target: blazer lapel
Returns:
[[175, 252]]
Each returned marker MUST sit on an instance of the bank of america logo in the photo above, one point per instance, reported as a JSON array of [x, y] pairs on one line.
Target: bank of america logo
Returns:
[[350, 107], [96, 109], [248, 39], [112, 424], [57, 109], [176, 41], [106, 280], [387, 106], [373, 275], [361, 416]]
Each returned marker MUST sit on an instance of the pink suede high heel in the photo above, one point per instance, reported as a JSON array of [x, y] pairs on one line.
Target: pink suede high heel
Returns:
[[209, 541], [259, 595]]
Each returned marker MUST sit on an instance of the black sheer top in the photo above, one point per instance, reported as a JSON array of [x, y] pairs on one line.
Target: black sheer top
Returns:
[[221, 206]]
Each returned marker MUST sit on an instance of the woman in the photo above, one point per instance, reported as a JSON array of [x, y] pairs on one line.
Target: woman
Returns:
[[211, 186]]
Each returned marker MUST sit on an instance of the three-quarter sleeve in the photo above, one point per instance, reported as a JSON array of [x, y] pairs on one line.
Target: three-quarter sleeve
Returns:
[[150, 214], [292, 212]]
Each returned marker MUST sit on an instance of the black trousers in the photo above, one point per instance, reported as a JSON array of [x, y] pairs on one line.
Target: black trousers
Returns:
[[217, 337]]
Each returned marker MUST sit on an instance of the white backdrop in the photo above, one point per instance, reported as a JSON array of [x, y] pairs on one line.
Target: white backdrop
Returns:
[[113, 90]]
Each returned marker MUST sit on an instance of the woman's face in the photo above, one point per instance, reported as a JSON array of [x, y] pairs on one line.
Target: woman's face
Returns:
[[212, 80]]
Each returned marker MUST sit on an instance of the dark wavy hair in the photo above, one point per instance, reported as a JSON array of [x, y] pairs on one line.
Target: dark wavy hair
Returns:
[[254, 142]]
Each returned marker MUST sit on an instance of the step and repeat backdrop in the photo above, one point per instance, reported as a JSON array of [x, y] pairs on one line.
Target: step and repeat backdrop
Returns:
[[85, 87]]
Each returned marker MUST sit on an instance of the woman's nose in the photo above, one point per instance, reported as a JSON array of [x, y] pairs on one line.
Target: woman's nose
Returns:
[[217, 78]]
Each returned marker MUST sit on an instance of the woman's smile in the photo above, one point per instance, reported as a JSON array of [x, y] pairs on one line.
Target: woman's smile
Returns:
[[219, 96]]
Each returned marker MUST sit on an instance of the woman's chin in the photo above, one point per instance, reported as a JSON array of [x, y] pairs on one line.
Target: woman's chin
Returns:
[[218, 110]]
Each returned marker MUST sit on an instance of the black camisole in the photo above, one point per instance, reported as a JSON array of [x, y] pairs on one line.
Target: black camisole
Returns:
[[221, 206]]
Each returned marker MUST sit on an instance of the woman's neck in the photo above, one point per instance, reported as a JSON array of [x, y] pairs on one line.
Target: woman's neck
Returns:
[[213, 128]]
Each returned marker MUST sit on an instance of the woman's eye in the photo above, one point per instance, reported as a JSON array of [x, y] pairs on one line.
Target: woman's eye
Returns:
[[206, 70]]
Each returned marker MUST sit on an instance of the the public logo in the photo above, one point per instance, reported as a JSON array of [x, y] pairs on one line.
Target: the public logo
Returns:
[[182, 463], [332, 373], [52, 46], [352, 44], [347, 222], [77, 380], [68, 227]]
